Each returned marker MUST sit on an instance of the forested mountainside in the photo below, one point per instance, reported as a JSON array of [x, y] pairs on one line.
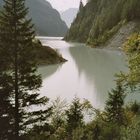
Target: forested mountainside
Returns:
[[69, 15], [46, 19], [100, 20]]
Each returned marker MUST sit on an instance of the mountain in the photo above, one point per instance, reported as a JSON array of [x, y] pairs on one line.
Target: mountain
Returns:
[[69, 15], [46, 19], [101, 22]]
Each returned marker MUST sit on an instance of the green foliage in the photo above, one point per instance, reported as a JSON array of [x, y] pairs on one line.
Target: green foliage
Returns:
[[99, 20], [81, 6], [132, 131], [116, 122], [62, 124], [59, 121], [19, 82], [74, 116], [6, 109], [66, 122], [110, 132], [80, 28], [47, 20], [131, 6], [45, 55], [132, 49], [102, 39], [135, 108], [114, 105]]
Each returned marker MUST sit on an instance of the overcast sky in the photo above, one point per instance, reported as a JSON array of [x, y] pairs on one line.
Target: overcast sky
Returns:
[[62, 5]]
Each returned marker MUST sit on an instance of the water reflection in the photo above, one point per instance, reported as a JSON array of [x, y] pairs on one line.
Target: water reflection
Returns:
[[98, 67], [47, 71], [89, 73]]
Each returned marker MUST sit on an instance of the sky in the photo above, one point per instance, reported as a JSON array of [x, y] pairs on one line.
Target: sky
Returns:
[[62, 5]]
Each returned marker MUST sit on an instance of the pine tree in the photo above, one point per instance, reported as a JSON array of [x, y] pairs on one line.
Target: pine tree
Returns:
[[6, 109], [81, 5], [114, 105], [18, 66], [74, 116]]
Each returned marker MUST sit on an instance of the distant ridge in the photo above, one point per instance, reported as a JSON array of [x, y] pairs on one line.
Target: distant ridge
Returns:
[[46, 19], [69, 15]]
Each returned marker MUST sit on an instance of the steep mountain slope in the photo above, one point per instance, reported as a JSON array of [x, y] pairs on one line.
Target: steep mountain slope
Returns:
[[100, 20], [46, 19], [69, 15]]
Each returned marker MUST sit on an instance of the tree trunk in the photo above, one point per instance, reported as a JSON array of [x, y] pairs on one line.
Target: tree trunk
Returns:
[[15, 43]]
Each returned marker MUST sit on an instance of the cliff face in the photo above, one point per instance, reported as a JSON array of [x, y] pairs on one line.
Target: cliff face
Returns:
[[100, 20], [46, 19]]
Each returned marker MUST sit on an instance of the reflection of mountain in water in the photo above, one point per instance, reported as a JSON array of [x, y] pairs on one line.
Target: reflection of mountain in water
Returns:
[[47, 71], [88, 73], [99, 67]]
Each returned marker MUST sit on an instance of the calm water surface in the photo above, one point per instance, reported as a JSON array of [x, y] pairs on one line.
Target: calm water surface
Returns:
[[88, 74]]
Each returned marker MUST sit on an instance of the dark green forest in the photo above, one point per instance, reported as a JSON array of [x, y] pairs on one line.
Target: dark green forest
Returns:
[[59, 120], [99, 20]]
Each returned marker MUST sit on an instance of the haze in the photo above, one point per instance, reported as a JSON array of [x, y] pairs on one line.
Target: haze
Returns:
[[62, 5]]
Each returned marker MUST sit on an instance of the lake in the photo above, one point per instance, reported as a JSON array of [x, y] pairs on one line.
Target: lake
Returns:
[[88, 73]]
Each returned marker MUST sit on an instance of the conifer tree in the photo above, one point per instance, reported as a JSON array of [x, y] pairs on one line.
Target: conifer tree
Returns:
[[18, 66], [6, 109], [114, 105], [81, 5], [74, 116]]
